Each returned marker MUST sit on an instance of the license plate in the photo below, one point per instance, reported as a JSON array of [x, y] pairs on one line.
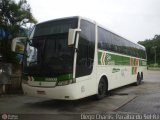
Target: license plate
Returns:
[[41, 92]]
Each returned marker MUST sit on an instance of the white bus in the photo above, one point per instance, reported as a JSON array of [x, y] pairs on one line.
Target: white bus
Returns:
[[74, 57]]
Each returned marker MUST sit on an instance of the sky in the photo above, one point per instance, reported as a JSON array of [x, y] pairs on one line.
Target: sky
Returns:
[[135, 20]]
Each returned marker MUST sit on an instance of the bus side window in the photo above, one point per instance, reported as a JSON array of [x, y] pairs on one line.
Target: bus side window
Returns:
[[86, 49], [104, 39]]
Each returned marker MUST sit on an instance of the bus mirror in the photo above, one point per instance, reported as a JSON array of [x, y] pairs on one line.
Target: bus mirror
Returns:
[[71, 35], [18, 44]]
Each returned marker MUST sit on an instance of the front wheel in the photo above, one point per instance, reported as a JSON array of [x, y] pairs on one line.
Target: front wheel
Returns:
[[102, 89]]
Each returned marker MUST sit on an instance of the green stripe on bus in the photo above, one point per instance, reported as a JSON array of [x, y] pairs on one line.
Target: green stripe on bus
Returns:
[[113, 59], [65, 77], [50, 79], [99, 57], [142, 62]]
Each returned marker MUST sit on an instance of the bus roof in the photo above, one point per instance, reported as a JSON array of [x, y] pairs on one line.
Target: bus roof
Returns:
[[58, 19]]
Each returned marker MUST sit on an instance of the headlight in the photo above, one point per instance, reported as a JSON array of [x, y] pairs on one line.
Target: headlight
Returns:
[[61, 83]]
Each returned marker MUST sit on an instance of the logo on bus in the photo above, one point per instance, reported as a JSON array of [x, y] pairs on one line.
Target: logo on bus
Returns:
[[105, 58]]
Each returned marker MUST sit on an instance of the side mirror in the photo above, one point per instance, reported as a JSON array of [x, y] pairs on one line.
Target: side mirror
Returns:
[[71, 35], [18, 44]]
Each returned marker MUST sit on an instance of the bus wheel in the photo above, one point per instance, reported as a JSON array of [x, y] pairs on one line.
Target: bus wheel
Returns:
[[138, 79], [102, 88]]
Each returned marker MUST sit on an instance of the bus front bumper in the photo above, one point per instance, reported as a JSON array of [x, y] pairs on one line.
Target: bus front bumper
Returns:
[[67, 92]]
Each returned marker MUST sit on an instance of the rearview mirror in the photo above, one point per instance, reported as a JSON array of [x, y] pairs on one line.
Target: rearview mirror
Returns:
[[18, 44], [71, 35]]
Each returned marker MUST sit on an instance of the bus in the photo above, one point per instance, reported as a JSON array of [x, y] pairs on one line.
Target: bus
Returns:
[[74, 57]]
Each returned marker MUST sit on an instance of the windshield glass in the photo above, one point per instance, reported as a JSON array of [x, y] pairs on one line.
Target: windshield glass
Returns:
[[47, 53]]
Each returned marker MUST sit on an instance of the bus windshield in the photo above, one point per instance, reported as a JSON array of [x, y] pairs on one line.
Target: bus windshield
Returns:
[[47, 52]]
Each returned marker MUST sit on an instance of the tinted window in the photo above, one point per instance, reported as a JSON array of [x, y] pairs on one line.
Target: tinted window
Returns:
[[49, 56], [112, 42], [86, 48], [109, 41], [55, 26], [104, 39]]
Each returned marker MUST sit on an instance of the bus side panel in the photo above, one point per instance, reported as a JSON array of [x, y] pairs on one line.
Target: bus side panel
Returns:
[[119, 69]]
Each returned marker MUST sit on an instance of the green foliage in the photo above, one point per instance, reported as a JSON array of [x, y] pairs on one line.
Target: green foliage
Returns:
[[154, 65], [13, 16], [152, 46]]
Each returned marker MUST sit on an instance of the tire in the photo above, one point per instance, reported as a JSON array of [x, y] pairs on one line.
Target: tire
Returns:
[[102, 89], [141, 75], [138, 80]]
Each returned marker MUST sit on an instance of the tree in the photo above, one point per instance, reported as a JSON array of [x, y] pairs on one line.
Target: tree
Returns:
[[152, 47], [13, 16]]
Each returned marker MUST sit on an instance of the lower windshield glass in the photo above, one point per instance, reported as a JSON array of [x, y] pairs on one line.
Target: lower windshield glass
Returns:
[[48, 56]]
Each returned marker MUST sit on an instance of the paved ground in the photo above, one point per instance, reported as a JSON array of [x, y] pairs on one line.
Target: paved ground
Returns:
[[129, 99], [147, 95]]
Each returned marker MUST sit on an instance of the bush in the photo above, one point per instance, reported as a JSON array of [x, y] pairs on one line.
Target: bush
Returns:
[[153, 65]]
